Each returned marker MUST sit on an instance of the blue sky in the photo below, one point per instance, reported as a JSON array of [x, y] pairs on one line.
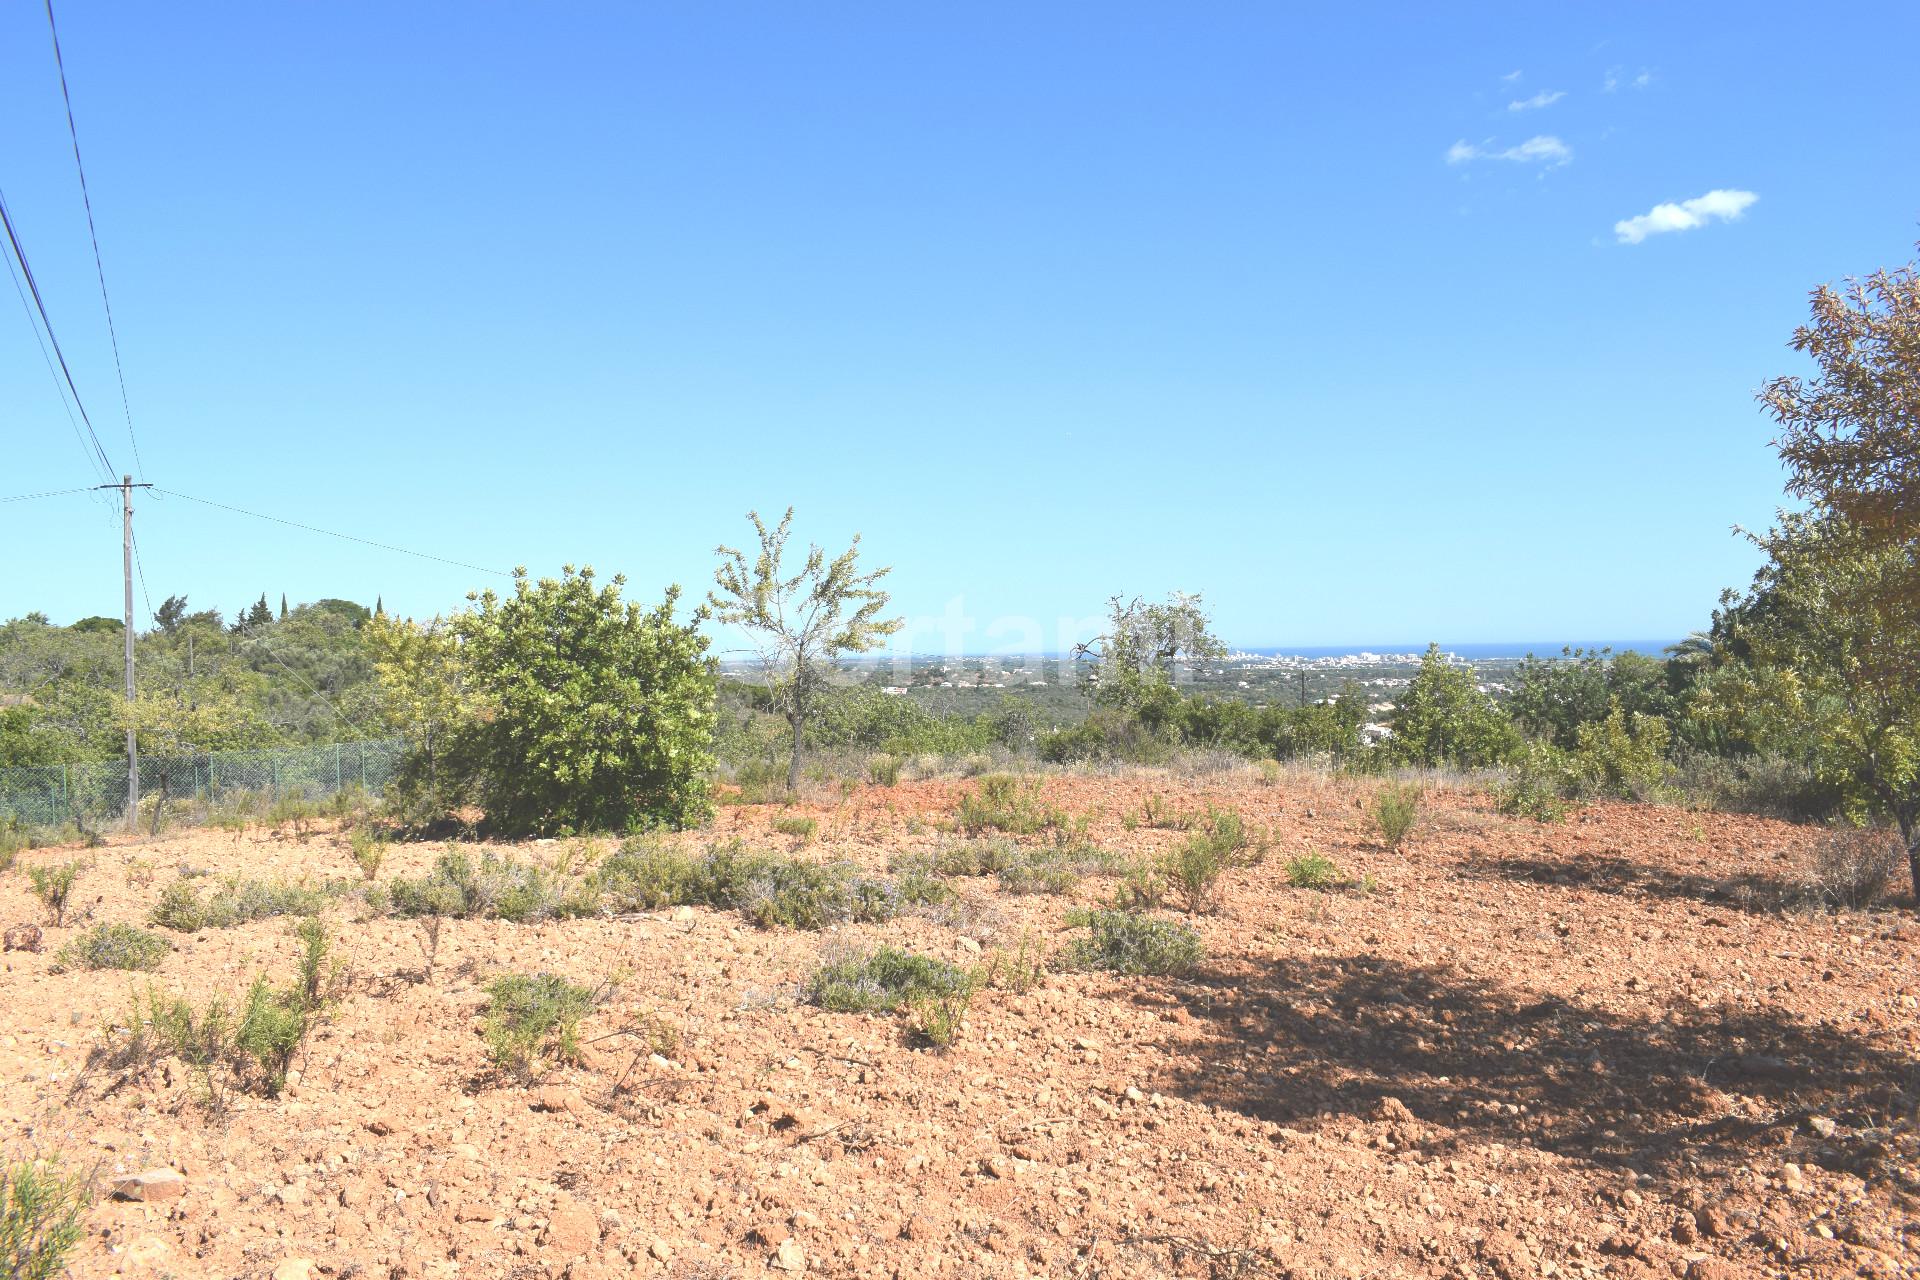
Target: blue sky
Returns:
[[1336, 315]]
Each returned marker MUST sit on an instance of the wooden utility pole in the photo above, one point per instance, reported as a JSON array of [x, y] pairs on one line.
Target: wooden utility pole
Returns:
[[126, 488]]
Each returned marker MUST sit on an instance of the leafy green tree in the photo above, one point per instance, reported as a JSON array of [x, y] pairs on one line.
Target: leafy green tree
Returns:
[[803, 623], [423, 695], [1554, 697], [1138, 663], [171, 613], [594, 713], [1833, 675], [1850, 435], [1443, 719]]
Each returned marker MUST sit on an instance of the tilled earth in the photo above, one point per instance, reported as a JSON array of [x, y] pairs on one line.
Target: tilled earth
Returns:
[[1588, 1048]]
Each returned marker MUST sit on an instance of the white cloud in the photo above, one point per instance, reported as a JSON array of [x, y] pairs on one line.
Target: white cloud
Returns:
[[1613, 80], [1544, 98], [1716, 205], [1511, 76], [1542, 149]]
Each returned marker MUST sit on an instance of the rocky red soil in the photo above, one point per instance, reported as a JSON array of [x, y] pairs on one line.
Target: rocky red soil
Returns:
[[1588, 1048]]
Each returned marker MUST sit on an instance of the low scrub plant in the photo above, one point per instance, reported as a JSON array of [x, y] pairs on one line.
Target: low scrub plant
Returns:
[[494, 888], [1537, 785], [297, 812], [801, 829], [13, 838], [225, 1047], [883, 770], [53, 885], [940, 1015], [1040, 871], [1314, 871], [369, 850], [1002, 802], [882, 981], [42, 1216], [114, 946], [768, 889], [1141, 888], [1395, 810], [1019, 970], [531, 1015], [1193, 868], [1848, 868], [1133, 943], [236, 902]]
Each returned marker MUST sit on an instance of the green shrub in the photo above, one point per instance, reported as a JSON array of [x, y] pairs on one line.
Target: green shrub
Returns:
[[1019, 970], [599, 711], [528, 1014], [1193, 868], [1313, 871], [1141, 888], [1131, 943], [495, 888], [236, 902], [801, 829], [1620, 756], [807, 895], [369, 849], [1538, 784], [1270, 772], [1395, 810], [1002, 802], [222, 1051], [114, 946], [938, 1016], [42, 1216], [1040, 871], [884, 770], [882, 981], [13, 838], [766, 888], [53, 885]]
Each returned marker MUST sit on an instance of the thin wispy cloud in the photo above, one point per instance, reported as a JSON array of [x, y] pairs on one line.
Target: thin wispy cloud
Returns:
[[1541, 149], [1614, 79], [1718, 205], [1544, 98], [1511, 76]]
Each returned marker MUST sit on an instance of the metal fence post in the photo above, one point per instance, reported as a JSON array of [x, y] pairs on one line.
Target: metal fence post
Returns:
[[336, 767]]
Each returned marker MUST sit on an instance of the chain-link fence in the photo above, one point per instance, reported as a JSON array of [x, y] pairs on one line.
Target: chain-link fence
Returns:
[[95, 793]]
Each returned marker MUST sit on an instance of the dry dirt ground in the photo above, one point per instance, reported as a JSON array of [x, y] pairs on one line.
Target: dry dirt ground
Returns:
[[1581, 1049]]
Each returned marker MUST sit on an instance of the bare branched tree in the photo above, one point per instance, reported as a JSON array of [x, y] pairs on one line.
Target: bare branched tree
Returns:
[[802, 623]]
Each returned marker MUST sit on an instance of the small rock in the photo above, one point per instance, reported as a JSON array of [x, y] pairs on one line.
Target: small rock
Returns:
[[571, 1230], [295, 1269], [790, 1257], [151, 1185], [661, 1250], [1822, 1126], [997, 1166]]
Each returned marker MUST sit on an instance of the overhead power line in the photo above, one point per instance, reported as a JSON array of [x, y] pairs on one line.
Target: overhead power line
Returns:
[[39, 303], [66, 405], [86, 198], [348, 537], [49, 493]]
